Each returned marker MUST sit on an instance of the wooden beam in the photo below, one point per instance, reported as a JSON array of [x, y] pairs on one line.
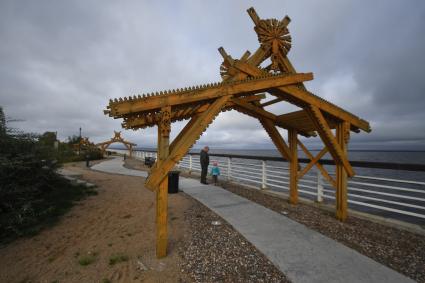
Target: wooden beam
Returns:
[[257, 110], [184, 131], [304, 97], [260, 113], [342, 132], [277, 139], [301, 97], [120, 109], [270, 102], [328, 139], [185, 113], [164, 128], [293, 167], [315, 161], [254, 16], [185, 142]]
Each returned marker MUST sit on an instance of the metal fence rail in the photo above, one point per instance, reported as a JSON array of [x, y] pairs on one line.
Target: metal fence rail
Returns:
[[402, 199]]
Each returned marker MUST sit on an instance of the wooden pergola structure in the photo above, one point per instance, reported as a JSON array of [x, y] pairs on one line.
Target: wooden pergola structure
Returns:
[[84, 143], [117, 138], [244, 82]]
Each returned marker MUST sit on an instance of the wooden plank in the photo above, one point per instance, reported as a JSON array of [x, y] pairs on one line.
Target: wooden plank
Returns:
[[293, 167], [341, 174], [328, 139], [182, 145], [277, 139], [120, 109]]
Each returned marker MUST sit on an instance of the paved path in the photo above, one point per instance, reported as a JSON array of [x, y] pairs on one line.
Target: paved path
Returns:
[[116, 166], [302, 254]]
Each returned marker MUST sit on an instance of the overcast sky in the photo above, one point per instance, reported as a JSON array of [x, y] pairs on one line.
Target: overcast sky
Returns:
[[61, 61]]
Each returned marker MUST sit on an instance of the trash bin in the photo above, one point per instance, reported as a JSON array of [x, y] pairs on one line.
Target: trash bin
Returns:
[[149, 161], [173, 182]]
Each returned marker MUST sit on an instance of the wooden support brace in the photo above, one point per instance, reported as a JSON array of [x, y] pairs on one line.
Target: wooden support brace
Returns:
[[328, 139], [277, 139], [293, 167], [182, 145], [315, 161]]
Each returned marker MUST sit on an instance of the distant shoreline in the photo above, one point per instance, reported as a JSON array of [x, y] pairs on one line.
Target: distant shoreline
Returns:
[[257, 149]]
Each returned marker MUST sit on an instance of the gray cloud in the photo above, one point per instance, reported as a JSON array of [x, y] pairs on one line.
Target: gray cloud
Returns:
[[62, 61]]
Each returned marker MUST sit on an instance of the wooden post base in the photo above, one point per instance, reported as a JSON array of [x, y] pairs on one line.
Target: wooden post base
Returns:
[[161, 219]]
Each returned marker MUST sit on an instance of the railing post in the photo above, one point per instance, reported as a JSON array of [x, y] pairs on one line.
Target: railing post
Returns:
[[319, 187], [229, 168], [264, 175], [190, 163]]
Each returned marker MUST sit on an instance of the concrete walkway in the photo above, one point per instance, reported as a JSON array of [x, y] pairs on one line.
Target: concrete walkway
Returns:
[[116, 166], [302, 254]]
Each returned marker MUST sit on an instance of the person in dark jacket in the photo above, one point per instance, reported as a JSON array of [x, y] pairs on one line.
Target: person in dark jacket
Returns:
[[205, 161]]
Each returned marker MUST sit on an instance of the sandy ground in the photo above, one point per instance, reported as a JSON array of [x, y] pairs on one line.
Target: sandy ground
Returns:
[[118, 221]]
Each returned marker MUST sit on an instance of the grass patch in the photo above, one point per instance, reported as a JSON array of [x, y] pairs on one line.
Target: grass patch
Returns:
[[87, 259], [106, 280], [117, 259]]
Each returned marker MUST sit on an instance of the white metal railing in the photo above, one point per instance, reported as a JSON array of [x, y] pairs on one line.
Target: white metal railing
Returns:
[[365, 193]]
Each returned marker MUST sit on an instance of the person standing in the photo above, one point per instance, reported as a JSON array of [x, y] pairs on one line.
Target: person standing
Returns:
[[215, 172], [205, 161]]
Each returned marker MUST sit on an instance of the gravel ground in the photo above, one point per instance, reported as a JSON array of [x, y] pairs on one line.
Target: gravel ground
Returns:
[[220, 254], [398, 249]]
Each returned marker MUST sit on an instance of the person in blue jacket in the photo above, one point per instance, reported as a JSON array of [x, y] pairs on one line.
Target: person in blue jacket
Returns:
[[215, 172]]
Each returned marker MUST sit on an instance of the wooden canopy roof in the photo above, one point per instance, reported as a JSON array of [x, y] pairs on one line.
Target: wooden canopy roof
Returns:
[[244, 83]]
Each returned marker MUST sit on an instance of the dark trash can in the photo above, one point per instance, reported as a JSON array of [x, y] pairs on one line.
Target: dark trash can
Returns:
[[173, 182], [149, 161]]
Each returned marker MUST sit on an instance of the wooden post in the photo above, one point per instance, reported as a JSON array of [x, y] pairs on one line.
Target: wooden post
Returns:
[[342, 135], [164, 128], [293, 166]]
